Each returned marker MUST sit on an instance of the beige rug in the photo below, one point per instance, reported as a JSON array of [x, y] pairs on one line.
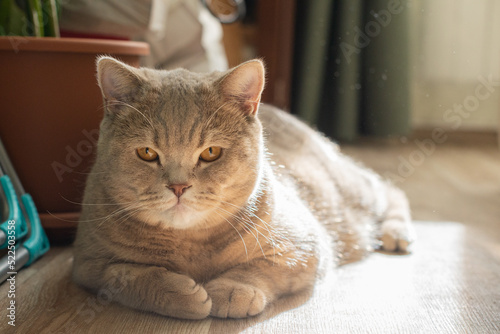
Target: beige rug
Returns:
[[449, 284]]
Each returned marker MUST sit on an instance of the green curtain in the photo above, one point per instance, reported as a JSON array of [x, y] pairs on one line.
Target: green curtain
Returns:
[[351, 74]]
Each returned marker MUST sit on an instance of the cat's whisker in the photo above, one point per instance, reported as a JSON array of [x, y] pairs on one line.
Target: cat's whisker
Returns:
[[143, 226], [256, 236], [89, 173], [247, 225], [117, 212], [248, 222], [129, 211], [134, 108], [249, 214], [128, 215], [122, 217], [207, 123], [82, 221], [271, 239], [65, 220], [241, 237], [244, 211], [91, 204]]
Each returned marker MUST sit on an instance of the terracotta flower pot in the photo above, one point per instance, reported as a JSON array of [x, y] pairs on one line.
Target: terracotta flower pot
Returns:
[[51, 108]]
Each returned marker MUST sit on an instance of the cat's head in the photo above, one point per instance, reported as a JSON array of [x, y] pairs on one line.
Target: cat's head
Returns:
[[176, 148]]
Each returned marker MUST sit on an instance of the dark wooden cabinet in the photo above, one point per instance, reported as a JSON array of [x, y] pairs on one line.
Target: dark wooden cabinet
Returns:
[[269, 35], [275, 37]]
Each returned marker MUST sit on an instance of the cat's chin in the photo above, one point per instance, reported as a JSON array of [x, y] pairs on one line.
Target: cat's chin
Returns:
[[180, 216]]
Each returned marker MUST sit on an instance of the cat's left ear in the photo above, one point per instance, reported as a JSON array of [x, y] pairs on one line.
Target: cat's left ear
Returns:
[[118, 81], [244, 85]]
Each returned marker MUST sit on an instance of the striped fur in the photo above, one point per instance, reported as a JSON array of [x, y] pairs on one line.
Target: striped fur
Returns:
[[278, 208]]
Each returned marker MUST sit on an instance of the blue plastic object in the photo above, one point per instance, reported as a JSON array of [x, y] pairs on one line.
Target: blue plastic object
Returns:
[[37, 243], [31, 242], [15, 213]]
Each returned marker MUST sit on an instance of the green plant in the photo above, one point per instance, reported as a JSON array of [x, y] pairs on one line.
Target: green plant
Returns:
[[29, 18]]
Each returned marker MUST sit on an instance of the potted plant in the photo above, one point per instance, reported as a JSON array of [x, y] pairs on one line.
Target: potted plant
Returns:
[[51, 106]]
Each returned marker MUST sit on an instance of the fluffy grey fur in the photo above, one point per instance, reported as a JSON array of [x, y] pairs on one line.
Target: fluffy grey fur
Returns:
[[278, 206]]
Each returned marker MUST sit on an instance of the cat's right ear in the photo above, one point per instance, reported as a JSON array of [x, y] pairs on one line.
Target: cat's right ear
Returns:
[[118, 81], [244, 84]]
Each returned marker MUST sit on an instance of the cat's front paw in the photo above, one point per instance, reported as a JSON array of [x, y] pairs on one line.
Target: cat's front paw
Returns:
[[183, 298], [396, 236], [231, 299]]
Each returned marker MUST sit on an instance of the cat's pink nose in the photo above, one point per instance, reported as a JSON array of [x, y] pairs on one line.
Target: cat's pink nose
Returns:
[[178, 189]]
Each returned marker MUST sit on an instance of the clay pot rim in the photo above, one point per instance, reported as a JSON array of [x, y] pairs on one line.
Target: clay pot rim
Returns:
[[72, 45]]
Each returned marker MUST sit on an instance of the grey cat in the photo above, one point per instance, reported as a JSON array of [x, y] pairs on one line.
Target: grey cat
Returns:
[[213, 204]]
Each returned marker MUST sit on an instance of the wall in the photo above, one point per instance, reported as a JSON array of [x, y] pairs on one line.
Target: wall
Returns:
[[456, 49]]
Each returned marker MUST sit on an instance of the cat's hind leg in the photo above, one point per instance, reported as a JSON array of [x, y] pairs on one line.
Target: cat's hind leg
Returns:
[[396, 230]]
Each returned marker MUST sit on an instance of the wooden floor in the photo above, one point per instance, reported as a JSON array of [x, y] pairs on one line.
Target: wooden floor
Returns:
[[449, 284]]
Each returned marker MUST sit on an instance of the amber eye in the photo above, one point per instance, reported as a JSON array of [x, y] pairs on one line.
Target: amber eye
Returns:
[[147, 154], [211, 154]]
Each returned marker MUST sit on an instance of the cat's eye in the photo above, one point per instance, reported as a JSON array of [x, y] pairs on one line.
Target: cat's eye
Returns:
[[211, 154], [147, 154]]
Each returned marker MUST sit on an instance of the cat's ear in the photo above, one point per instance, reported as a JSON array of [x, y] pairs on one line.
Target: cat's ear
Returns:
[[244, 85], [118, 81]]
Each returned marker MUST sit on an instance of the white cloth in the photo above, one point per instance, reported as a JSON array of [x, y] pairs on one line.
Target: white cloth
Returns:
[[181, 33]]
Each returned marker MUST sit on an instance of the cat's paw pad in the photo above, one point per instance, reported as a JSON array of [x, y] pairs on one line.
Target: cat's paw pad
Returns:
[[184, 299], [231, 299], [396, 236]]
